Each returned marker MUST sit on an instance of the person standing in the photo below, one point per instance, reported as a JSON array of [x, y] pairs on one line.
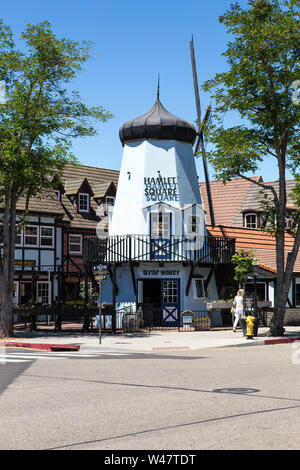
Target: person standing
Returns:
[[238, 307]]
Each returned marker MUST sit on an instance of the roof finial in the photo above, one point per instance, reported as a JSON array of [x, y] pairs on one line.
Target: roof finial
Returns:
[[158, 88]]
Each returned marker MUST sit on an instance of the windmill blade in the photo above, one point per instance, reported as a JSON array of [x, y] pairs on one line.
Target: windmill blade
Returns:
[[200, 138], [195, 79], [206, 120], [206, 175]]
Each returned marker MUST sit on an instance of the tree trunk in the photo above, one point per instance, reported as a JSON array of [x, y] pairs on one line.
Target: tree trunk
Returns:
[[284, 270], [7, 275]]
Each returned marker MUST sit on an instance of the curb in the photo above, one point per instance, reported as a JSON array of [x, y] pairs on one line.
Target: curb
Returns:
[[42, 347], [265, 342], [76, 347], [291, 339]]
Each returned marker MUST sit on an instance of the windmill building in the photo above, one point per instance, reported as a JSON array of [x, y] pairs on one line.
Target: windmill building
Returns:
[[158, 250]]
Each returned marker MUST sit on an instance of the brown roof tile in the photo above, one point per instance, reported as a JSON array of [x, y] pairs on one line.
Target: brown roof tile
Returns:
[[255, 239], [226, 198], [91, 173], [73, 186], [254, 197], [73, 176], [47, 203], [100, 189], [99, 179]]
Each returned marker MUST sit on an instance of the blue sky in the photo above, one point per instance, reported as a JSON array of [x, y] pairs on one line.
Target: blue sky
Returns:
[[135, 40]]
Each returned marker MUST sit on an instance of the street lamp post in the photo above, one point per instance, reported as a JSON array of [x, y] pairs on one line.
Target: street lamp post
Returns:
[[100, 309], [100, 273]]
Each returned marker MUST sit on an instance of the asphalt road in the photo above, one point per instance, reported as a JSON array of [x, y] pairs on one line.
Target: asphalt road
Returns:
[[230, 398]]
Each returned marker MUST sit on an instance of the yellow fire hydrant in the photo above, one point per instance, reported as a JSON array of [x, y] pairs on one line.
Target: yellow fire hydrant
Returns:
[[250, 326]]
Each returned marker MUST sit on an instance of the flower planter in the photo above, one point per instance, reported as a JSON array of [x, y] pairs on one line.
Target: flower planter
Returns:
[[222, 305], [263, 303], [202, 324]]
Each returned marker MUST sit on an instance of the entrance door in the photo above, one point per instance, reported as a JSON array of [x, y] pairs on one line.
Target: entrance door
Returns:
[[152, 312], [170, 302], [161, 302], [26, 292]]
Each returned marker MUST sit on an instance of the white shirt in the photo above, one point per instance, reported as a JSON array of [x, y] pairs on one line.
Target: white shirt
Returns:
[[238, 300]]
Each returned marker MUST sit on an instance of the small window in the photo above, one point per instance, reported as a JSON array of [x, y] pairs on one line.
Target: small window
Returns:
[[31, 235], [289, 222], [110, 201], [75, 244], [199, 289], [194, 224], [47, 238], [83, 202], [43, 292], [160, 225], [109, 204], [19, 237], [57, 192], [251, 220]]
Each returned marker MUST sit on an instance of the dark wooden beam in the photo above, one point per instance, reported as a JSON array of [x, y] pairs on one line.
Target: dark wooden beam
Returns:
[[112, 280], [133, 277], [210, 274], [190, 280], [114, 315]]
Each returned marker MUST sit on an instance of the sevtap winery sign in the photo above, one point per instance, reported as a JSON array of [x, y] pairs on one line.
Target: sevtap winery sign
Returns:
[[161, 189], [162, 272]]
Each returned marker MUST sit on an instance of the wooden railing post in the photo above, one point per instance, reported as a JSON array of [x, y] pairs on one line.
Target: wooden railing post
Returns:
[[129, 248]]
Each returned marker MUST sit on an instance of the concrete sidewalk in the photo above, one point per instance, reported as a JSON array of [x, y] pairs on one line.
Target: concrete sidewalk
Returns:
[[154, 341]]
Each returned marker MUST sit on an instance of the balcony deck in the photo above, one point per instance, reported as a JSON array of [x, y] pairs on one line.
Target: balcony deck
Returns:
[[144, 248]]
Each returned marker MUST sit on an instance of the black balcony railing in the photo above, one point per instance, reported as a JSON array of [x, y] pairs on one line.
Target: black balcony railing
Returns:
[[144, 248]]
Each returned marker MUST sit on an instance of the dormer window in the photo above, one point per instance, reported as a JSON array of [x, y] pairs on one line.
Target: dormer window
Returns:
[[109, 203], [251, 220], [83, 202], [289, 221]]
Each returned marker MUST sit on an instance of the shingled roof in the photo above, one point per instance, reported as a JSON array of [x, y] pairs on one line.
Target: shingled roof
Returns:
[[253, 198], [261, 242], [46, 203], [230, 202], [100, 189], [73, 177], [99, 179], [91, 173], [226, 198]]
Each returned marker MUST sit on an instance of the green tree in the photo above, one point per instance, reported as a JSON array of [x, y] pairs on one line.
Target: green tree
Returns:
[[243, 264], [40, 115], [263, 66]]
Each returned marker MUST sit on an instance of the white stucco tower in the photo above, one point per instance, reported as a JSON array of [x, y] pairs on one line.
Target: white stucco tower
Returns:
[[162, 261], [158, 190]]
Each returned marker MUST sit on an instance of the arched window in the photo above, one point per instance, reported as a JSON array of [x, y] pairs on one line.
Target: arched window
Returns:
[[251, 220]]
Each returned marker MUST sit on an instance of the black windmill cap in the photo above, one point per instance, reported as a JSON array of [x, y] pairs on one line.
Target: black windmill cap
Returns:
[[159, 124]]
